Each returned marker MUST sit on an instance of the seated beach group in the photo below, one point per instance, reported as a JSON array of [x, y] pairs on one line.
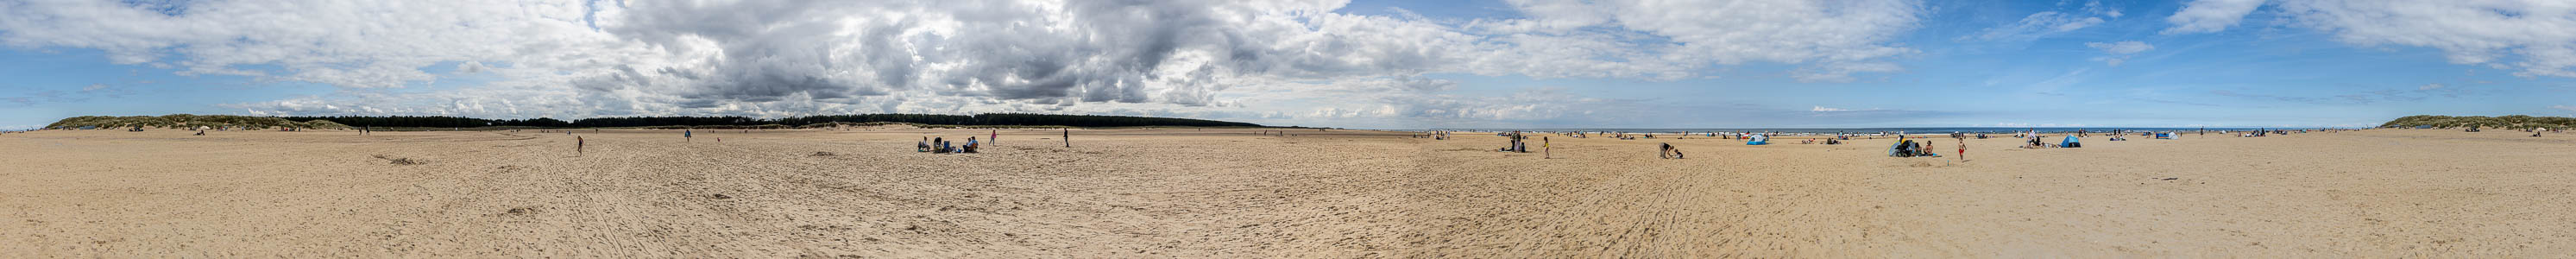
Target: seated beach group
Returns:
[[2036, 142], [941, 146], [1910, 148]]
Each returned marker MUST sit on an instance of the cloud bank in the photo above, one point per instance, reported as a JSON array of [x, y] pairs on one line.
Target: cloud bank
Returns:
[[2535, 37], [1261, 60], [785, 58]]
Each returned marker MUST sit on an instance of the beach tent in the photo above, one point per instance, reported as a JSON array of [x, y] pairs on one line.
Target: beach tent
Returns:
[[1759, 140], [2070, 142], [2164, 135]]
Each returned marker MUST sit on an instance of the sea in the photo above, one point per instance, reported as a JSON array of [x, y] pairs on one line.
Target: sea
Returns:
[[1921, 130]]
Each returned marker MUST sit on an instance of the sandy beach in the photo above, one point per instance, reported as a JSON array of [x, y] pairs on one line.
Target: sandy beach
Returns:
[[1195, 193]]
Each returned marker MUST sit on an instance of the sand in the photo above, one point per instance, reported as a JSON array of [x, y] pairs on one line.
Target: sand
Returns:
[[1234, 193]]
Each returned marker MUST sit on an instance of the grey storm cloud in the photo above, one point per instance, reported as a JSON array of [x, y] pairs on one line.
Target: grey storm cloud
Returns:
[[1268, 59], [1083, 51]]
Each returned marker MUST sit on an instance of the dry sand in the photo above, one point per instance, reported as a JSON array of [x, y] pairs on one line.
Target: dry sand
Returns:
[[1233, 193]]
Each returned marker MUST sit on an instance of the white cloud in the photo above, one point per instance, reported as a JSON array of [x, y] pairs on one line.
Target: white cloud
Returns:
[[2039, 25], [2119, 52], [1831, 109], [2563, 107], [347, 44], [2428, 87], [2096, 7], [2121, 48], [1834, 38], [2202, 16], [2537, 37], [2049, 23]]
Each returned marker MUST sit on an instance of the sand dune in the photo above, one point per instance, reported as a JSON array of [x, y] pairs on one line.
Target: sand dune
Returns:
[[1235, 193]]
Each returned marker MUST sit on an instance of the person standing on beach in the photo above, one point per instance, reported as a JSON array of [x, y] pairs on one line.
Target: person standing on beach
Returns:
[[996, 138], [1963, 151], [686, 135], [578, 146], [1068, 138]]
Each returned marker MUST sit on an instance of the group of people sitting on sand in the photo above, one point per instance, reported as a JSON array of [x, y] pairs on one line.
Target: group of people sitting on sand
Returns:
[[2039, 141], [1669, 152], [1910, 148], [1519, 143], [2270, 132], [941, 146]]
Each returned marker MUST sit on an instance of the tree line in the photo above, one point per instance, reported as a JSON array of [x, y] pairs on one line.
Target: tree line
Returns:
[[191, 121], [990, 119], [2497, 122]]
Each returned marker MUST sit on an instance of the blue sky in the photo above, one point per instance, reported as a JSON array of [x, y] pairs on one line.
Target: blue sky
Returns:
[[1361, 64]]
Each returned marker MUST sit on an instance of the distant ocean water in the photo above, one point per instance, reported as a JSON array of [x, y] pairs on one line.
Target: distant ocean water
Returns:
[[1927, 130]]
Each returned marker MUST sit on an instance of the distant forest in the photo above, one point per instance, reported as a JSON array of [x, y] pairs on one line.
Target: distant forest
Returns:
[[995, 119], [2498, 122]]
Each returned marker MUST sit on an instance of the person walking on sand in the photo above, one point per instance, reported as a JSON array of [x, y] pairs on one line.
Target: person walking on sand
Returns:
[[995, 138], [686, 135], [1068, 138], [1963, 151], [579, 146]]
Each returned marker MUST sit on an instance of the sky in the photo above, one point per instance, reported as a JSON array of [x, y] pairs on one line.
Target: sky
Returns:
[[1319, 63]]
